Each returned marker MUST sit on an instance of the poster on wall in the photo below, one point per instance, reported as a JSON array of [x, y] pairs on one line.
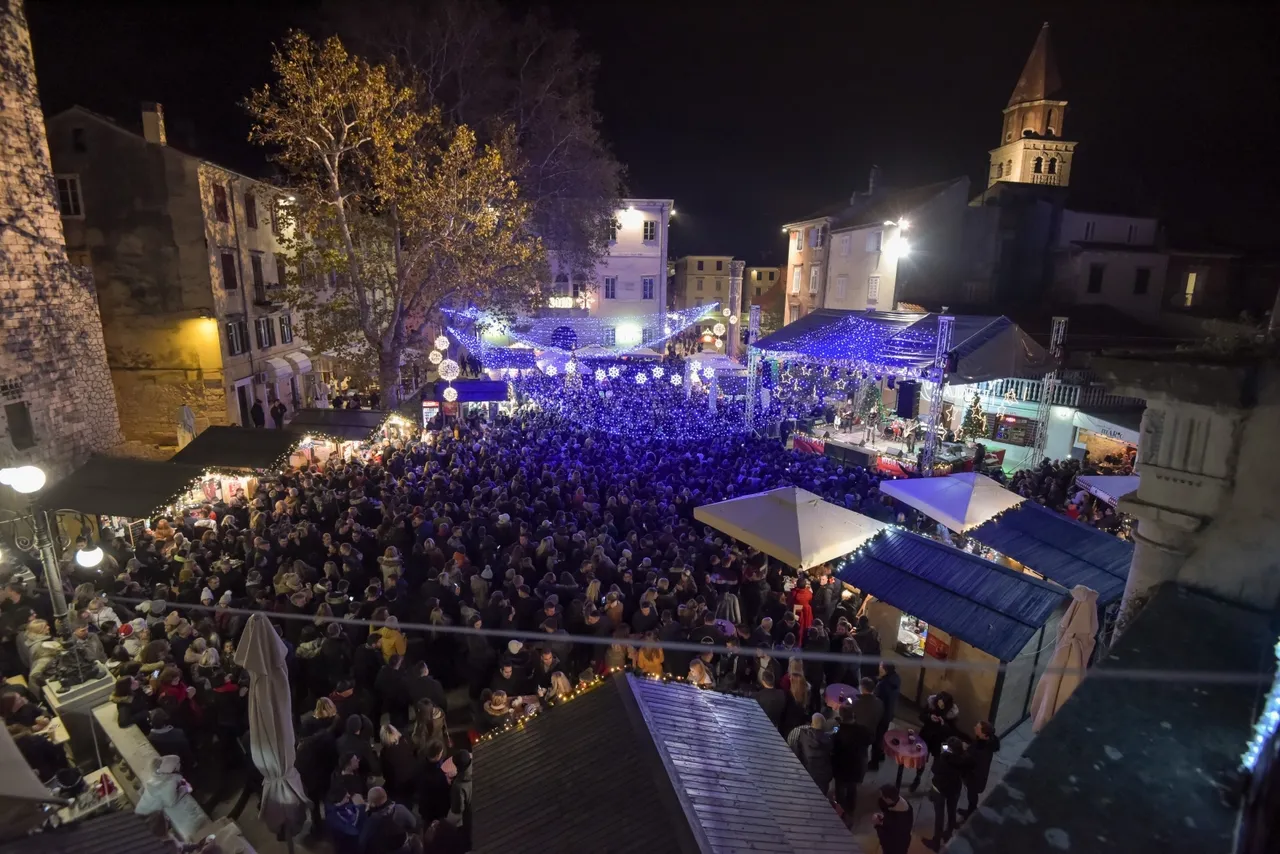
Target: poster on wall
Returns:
[[936, 647], [449, 407]]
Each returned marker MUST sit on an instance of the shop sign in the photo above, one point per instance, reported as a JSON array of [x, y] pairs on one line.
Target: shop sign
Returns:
[[936, 647]]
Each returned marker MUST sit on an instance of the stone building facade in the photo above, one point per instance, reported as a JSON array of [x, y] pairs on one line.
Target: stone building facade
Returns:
[[189, 260], [55, 387]]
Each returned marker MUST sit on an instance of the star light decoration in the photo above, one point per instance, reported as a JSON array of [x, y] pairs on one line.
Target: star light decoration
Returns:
[[442, 342], [708, 372], [449, 370], [571, 367], [675, 379], [600, 375], [641, 379], [614, 372], [658, 372], [435, 357], [450, 394], [550, 370]]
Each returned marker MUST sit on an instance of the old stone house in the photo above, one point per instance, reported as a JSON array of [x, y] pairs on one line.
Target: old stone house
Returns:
[[189, 262]]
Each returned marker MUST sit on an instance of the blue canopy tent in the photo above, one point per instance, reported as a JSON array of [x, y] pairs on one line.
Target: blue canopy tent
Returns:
[[1067, 551], [977, 612], [982, 347], [472, 391]]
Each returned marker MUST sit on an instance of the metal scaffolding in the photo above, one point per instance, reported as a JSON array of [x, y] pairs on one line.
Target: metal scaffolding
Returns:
[[938, 378], [753, 367], [1047, 388]]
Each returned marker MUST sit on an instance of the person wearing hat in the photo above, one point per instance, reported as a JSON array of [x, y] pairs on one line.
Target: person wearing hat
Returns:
[[496, 712]]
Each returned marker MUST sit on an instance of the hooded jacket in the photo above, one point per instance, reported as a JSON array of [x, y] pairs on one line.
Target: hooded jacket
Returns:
[[980, 754], [813, 748]]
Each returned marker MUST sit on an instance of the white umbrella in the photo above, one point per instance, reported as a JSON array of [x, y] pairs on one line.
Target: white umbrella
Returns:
[[1077, 634], [262, 653]]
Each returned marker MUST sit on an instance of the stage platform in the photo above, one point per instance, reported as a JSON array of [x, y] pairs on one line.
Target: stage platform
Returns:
[[891, 456]]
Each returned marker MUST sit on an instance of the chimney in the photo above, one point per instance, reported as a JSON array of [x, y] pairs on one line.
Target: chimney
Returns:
[[871, 180], [153, 122]]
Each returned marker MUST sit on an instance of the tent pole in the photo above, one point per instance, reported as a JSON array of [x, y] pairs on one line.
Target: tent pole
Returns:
[[938, 377]]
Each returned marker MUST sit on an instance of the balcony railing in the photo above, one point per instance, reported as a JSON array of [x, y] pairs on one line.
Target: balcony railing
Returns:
[[1051, 178], [1077, 395]]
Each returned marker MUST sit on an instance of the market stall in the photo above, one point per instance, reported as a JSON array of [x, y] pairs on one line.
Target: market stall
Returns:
[[487, 398], [1109, 488], [791, 524], [930, 599], [232, 457], [340, 432], [961, 501], [121, 487], [1108, 439], [1026, 536]]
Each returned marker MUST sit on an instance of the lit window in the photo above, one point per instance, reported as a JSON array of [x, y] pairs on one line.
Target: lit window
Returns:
[[70, 203], [650, 229], [873, 288], [647, 287], [610, 287], [1189, 289]]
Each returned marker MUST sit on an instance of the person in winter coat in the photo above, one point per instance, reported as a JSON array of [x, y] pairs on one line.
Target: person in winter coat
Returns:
[[393, 640], [949, 770], [433, 785], [869, 642], [801, 602], [980, 753], [400, 766], [132, 705], [355, 740], [937, 724], [812, 746], [316, 760], [894, 821], [849, 759], [868, 709], [772, 700], [459, 815], [386, 824], [888, 686]]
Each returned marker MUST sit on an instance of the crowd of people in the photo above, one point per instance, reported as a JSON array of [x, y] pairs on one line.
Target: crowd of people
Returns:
[[525, 524], [1053, 484]]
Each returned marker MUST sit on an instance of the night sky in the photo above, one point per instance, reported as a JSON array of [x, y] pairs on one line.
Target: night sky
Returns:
[[748, 118]]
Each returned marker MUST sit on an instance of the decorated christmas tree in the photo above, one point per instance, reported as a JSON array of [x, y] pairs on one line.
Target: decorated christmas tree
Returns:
[[974, 425]]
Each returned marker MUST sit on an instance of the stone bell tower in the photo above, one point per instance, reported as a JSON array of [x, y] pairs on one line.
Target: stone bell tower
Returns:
[[1032, 148]]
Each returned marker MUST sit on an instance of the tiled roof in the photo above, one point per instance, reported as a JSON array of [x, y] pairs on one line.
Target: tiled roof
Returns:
[[736, 775], [983, 604], [238, 447], [1059, 548], [581, 777], [117, 832], [646, 766]]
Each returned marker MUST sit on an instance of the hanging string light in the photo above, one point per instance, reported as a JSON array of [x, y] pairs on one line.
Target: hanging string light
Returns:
[[449, 370], [435, 357], [442, 342], [718, 329], [450, 394]]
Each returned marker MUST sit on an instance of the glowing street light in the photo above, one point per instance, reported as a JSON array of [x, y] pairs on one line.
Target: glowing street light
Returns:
[[24, 479]]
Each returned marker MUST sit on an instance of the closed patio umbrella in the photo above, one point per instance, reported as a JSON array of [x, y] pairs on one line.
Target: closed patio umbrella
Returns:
[[262, 653], [1077, 634]]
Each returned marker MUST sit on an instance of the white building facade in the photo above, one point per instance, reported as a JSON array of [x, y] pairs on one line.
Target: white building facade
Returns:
[[629, 284]]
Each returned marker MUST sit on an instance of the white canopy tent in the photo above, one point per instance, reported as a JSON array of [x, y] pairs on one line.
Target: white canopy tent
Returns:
[[791, 524], [959, 501], [1110, 488]]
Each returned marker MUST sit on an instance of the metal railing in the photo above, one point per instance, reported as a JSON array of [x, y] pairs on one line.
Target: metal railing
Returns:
[[1071, 391]]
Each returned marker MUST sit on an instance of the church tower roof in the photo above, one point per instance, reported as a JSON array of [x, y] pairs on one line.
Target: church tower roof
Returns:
[[1039, 79]]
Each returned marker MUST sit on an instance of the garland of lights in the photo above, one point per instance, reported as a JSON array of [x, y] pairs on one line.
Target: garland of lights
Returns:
[[541, 332], [1264, 729], [581, 689]]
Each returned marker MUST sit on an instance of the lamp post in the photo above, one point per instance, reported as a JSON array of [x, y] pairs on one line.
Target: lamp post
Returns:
[[27, 480]]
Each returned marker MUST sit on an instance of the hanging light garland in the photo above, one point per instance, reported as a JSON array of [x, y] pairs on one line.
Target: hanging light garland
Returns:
[[1264, 729], [449, 370], [442, 342], [435, 357], [718, 329], [450, 394]]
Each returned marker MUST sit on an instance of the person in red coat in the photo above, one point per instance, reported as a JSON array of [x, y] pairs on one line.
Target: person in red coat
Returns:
[[802, 603]]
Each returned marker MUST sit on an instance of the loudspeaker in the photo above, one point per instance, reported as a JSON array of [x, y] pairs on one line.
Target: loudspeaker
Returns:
[[908, 391]]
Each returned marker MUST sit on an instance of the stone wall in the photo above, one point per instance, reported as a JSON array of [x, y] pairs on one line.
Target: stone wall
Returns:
[[53, 365]]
